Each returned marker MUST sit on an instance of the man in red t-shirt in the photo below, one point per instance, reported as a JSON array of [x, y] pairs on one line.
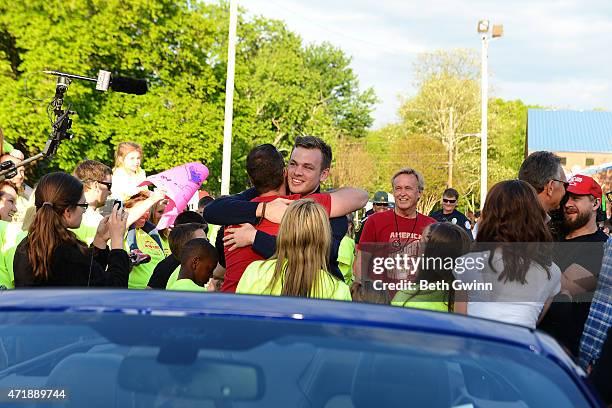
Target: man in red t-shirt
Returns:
[[399, 230], [266, 170]]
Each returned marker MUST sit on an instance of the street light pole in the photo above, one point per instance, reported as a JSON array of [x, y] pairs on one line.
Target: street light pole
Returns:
[[484, 82], [229, 99], [483, 30]]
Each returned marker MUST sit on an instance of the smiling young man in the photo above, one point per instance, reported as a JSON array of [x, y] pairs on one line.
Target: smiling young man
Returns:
[[309, 166], [449, 213], [97, 182]]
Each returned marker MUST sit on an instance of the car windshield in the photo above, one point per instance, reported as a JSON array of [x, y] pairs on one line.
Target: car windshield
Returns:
[[119, 360]]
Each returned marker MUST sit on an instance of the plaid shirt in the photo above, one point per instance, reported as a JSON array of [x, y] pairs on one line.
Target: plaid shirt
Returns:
[[600, 315]]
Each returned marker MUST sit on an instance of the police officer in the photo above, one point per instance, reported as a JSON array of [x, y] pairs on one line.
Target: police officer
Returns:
[[449, 212], [380, 203]]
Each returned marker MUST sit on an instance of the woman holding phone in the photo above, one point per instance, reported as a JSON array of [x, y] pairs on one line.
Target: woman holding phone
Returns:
[[52, 255]]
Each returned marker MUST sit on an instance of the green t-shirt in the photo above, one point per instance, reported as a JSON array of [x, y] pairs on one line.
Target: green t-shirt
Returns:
[[258, 275], [425, 300], [186, 285], [346, 257], [140, 275], [11, 235], [173, 277]]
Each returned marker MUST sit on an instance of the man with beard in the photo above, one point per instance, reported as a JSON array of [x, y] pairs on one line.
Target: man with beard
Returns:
[[579, 256]]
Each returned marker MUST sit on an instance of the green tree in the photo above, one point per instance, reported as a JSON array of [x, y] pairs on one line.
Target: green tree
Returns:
[[446, 108], [282, 88]]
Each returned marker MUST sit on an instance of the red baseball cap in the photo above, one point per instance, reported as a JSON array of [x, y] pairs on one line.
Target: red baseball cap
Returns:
[[583, 185]]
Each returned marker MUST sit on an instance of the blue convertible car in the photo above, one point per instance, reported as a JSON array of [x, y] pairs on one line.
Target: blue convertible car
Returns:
[[103, 348]]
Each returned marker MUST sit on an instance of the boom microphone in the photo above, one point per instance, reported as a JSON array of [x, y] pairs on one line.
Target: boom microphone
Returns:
[[105, 81], [129, 85]]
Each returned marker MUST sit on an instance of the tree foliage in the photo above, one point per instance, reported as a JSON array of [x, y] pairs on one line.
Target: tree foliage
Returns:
[[283, 89], [443, 115]]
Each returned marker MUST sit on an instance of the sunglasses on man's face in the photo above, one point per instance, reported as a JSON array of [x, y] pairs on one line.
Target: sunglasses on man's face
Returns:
[[382, 204], [106, 183], [448, 201]]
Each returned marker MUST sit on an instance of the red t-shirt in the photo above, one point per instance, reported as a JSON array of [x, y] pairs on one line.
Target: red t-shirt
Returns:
[[380, 227], [383, 238], [236, 261]]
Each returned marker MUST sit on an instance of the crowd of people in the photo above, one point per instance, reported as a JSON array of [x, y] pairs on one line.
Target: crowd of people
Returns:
[[548, 261]]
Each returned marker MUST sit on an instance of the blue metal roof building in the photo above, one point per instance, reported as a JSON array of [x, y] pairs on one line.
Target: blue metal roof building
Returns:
[[569, 131]]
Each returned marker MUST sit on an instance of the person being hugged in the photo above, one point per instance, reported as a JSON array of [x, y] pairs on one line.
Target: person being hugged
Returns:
[[300, 265]]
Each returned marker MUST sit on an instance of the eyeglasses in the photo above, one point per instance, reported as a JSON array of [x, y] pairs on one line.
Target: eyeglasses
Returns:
[[446, 200], [565, 183], [382, 204], [83, 205], [106, 183]]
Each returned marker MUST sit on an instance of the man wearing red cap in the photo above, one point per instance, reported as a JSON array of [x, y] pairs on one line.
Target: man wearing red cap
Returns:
[[581, 210], [580, 262]]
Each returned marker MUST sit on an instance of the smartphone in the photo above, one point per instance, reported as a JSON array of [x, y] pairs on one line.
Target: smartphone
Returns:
[[108, 206]]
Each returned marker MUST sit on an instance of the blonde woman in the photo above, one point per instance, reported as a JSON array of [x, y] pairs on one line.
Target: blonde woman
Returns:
[[299, 266], [127, 174]]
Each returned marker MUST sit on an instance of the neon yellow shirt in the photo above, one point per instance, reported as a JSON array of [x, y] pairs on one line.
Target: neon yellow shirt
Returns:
[[173, 277], [186, 285], [258, 275], [7, 147], [10, 236], [140, 275], [213, 230], [346, 257], [89, 226], [424, 300]]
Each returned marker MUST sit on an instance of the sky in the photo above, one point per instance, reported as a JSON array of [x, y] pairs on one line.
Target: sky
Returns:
[[553, 53]]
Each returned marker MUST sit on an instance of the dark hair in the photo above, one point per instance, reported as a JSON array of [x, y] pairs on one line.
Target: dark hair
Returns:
[[512, 214], [539, 168], [443, 241], [55, 193], [91, 170], [180, 234], [265, 167], [189, 216], [204, 201], [312, 142], [451, 192], [201, 248]]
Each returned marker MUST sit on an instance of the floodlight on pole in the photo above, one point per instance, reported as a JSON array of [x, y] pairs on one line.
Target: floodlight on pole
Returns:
[[483, 30]]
